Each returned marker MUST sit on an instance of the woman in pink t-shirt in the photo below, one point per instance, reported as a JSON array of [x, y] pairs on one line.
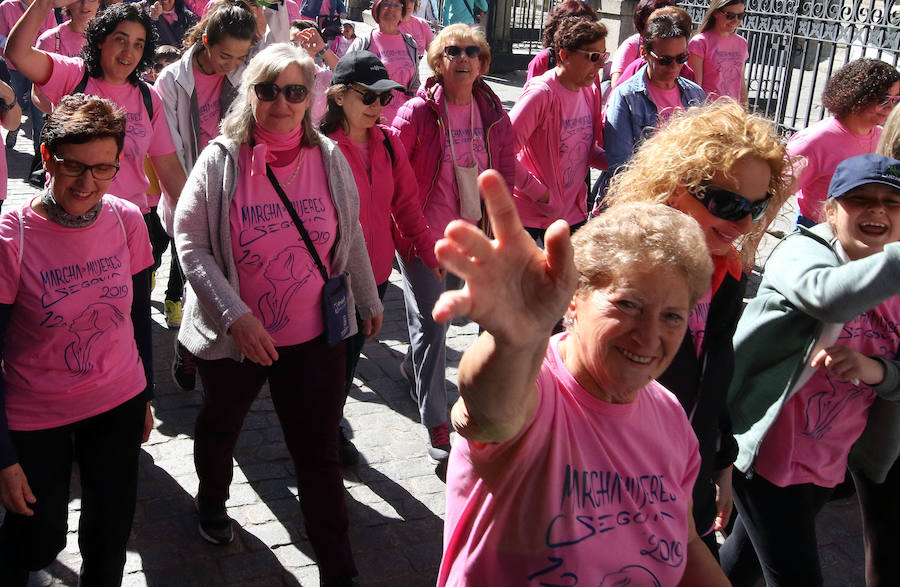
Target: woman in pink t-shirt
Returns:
[[265, 299], [417, 28], [556, 123], [388, 193], [630, 49], [77, 351], [860, 96], [453, 129], [574, 466], [719, 54], [396, 49], [120, 45]]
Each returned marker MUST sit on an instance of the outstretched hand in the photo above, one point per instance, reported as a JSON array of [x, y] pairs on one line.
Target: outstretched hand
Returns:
[[514, 290]]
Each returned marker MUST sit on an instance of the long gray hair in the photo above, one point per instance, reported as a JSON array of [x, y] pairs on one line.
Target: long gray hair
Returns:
[[265, 67]]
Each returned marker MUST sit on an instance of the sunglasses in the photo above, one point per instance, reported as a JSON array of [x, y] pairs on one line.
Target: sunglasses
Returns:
[[73, 168], [729, 16], [293, 93], [369, 97], [728, 205], [455, 51], [889, 101], [667, 60], [595, 56]]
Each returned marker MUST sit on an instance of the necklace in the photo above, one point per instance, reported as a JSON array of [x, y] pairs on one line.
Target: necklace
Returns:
[[200, 65], [296, 169]]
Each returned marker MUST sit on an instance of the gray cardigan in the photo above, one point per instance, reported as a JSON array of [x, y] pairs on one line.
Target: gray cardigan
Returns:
[[203, 241]]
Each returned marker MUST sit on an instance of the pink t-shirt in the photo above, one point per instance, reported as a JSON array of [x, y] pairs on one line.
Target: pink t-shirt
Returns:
[[441, 211], [70, 350], [10, 13], [723, 63], [209, 92], [320, 97], [61, 40], [341, 44], [588, 492], [279, 278], [628, 51], [143, 137], [420, 31], [667, 102], [811, 438], [821, 147], [576, 139], [392, 51]]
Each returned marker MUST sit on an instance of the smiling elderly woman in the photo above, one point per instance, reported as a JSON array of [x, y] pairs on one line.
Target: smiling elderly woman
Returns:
[[565, 473], [263, 301]]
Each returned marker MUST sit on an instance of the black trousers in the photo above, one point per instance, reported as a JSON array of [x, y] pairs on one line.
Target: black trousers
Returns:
[[106, 448]]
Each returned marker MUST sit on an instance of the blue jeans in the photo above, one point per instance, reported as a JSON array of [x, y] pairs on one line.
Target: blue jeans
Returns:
[[427, 338]]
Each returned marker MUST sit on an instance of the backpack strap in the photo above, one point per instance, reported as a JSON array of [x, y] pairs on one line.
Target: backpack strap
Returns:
[[121, 224], [388, 146], [79, 89], [21, 235]]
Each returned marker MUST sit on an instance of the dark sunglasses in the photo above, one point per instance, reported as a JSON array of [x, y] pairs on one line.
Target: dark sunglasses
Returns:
[[595, 56], [667, 60], [728, 205], [455, 51], [293, 93], [369, 97], [733, 15], [889, 101]]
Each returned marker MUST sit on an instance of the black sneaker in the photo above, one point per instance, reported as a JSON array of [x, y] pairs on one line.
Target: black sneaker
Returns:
[[215, 526], [439, 446], [184, 368], [348, 455]]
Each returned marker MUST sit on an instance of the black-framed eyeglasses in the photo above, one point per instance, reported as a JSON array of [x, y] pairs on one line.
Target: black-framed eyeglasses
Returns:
[[369, 96], [728, 205], [293, 93], [595, 56], [732, 15], [72, 168], [889, 101], [455, 51], [667, 60]]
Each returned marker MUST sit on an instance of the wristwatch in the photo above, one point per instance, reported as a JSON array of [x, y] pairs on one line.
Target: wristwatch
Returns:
[[322, 51]]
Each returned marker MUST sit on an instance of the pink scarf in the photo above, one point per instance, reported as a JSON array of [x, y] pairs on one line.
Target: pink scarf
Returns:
[[277, 148]]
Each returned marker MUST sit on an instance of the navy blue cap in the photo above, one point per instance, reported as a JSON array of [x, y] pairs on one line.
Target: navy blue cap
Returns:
[[366, 69], [863, 169]]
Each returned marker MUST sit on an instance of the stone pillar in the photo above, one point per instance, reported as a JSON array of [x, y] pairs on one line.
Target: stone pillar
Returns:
[[618, 16]]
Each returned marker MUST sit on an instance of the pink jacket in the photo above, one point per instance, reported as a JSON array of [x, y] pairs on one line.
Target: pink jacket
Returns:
[[388, 201], [536, 127], [422, 126]]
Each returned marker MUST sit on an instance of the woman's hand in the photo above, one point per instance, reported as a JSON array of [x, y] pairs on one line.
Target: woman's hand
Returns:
[[372, 326], [148, 424], [514, 290], [156, 10], [849, 365], [253, 339], [724, 499], [15, 494]]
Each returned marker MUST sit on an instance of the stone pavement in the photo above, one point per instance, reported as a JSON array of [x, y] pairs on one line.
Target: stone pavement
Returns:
[[396, 501]]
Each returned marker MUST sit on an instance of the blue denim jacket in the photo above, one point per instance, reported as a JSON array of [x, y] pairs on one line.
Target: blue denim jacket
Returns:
[[631, 116]]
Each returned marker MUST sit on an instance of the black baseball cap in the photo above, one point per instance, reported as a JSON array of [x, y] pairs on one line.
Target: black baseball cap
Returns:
[[365, 69]]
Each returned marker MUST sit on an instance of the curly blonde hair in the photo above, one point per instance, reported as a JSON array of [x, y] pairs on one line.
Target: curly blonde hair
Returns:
[[695, 145]]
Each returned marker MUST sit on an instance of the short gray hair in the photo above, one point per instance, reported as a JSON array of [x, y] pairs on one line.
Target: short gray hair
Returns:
[[265, 67]]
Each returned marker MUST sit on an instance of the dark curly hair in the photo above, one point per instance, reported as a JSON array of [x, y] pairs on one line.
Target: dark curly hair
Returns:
[[568, 8], [644, 9], [79, 119], [102, 25], [575, 33], [858, 85]]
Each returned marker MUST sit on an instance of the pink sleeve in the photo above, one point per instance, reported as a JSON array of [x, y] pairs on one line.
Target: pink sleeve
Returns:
[[293, 10], [136, 235], [527, 114], [625, 54], [697, 46], [539, 64], [65, 75], [8, 17], [9, 256], [162, 137], [798, 148], [47, 41], [405, 206], [427, 33]]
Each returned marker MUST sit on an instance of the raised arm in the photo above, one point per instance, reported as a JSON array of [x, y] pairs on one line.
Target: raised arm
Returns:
[[32, 63], [516, 292]]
